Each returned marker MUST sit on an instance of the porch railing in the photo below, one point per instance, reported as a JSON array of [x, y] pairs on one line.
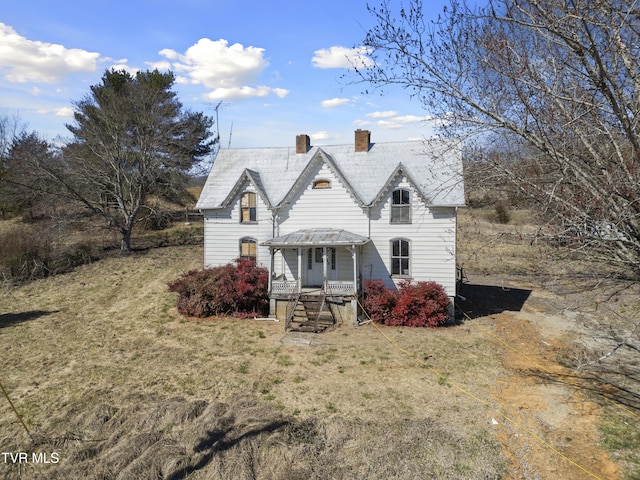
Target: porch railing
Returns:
[[338, 287], [284, 287], [332, 287]]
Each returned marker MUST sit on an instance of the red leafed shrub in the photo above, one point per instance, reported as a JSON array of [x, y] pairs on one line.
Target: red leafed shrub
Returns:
[[239, 288], [421, 304], [378, 300]]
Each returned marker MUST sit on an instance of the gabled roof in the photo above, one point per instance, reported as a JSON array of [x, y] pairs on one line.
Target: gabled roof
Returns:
[[321, 156], [434, 167]]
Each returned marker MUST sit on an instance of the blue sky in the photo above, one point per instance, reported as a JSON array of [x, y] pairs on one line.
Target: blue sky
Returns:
[[276, 66]]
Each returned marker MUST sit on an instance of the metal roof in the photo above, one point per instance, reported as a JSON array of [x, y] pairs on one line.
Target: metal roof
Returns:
[[317, 237], [434, 166]]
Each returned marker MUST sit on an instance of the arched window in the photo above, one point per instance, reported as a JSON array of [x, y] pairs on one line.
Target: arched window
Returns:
[[400, 256], [248, 207], [321, 183], [401, 206], [248, 248]]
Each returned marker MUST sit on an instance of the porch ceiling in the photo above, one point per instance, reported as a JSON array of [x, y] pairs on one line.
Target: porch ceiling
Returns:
[[317, 237]]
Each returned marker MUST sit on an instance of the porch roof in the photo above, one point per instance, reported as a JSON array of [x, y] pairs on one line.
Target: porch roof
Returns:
[[315, 237]]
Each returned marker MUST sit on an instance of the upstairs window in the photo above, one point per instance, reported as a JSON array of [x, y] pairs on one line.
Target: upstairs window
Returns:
[[248, 248], [400, 257], [401, 206], [248, 207]]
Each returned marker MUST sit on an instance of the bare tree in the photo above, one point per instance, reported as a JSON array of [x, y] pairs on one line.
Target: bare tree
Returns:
[[11, 128], [557, 80], [133, 143]]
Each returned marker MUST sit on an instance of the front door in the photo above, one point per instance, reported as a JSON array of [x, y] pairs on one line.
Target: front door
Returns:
[[314, 274]]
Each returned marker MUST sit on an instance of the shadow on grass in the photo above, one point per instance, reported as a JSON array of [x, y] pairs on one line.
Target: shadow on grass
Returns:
[[481, 300], [218, 441], [10, 319], [618, 386]]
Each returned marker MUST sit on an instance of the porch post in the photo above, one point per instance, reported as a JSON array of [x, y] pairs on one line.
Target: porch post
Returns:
[[299, 269], [355, 270], [271, 267], [324, 268]]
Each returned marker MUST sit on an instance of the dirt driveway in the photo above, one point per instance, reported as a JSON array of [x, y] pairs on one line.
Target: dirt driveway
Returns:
[[549, 424]]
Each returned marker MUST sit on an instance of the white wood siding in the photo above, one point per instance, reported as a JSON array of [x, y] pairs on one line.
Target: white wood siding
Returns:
[[223, 231], [324, 207], [431, 234]]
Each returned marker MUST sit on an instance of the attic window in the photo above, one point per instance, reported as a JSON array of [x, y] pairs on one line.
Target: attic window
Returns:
[[248, 207], [322, 183], [401, 206]]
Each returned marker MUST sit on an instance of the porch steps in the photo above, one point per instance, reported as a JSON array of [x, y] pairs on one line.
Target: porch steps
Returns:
[[310, 313]]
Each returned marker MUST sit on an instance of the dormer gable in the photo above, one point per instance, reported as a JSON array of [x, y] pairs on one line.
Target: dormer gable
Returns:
[[253, 179], [400, 172]]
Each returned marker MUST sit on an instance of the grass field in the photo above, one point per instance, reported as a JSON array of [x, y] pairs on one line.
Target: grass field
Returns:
[[99, 366], [112, 383]]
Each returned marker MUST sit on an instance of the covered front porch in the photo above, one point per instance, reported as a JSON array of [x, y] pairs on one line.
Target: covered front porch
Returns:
[[315, 262]]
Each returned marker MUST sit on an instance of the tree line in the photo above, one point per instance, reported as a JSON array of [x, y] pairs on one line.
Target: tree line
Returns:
[[132, 144]]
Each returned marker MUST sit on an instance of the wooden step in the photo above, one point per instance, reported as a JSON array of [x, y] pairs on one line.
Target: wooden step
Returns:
[[310, 313]]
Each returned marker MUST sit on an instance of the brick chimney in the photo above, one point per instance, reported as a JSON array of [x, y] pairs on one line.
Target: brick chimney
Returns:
[[303, 143], [363, 139]]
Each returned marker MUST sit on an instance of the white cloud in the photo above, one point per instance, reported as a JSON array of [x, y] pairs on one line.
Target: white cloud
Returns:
[[162, 65], [23, 60], [362, 123], [389, 124], [237, 92], [411, 119], [170, 54], [322, 135], [280, 92], [387, 114], [334, 102], [123, 66], [58, 112], [390, 120], [64, 112], [342, 57], [229, 71]]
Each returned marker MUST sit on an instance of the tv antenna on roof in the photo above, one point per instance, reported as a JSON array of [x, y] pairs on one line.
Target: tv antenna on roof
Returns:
[[217, 140], [230, 133]]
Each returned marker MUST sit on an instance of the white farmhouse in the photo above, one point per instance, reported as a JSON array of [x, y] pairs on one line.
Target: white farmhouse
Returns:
[[324, 219]]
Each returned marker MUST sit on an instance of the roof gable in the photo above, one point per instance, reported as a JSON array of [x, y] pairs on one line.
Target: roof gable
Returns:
[[434, 167], [320, 156]]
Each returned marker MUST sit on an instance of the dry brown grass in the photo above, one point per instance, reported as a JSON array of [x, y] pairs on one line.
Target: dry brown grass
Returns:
[[108, 376], [486, 246]]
